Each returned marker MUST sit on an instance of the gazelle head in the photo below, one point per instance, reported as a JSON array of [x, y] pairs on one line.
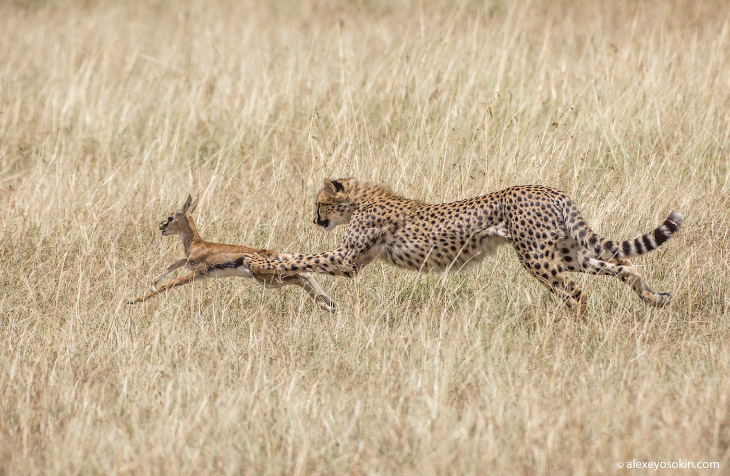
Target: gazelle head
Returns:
[[173, 223]]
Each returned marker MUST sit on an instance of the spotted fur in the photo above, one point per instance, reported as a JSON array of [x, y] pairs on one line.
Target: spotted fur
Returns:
[[542, 224]]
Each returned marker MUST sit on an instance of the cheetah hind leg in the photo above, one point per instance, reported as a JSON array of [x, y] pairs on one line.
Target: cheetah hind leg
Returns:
[[558, 282], [626, 272]]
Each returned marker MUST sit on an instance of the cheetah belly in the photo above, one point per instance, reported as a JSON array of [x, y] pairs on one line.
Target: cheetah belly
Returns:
[[429, 255], [490, 244], [473, 252]]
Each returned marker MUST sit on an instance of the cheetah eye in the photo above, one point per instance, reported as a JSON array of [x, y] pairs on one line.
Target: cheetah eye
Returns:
[[169, 219]]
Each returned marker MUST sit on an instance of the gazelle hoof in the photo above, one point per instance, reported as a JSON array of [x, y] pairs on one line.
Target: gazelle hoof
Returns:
[[327, 304]]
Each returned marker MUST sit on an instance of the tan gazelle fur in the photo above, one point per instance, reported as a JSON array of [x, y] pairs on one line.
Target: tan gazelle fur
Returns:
[[215, 260]]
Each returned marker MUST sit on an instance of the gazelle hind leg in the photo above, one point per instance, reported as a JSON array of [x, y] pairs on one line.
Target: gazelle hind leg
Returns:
[[627, 273], [304, 280], [307, 282]]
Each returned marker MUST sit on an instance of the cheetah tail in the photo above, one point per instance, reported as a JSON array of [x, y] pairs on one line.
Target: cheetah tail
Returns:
[[608, 249]]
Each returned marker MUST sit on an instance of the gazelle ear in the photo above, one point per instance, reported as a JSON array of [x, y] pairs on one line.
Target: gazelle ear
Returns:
[[194, 204], [186, 205]]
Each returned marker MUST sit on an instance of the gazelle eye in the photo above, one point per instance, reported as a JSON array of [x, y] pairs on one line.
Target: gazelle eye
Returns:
[[169, 219]]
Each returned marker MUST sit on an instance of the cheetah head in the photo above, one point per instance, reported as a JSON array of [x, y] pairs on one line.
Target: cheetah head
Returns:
[[333, 206]]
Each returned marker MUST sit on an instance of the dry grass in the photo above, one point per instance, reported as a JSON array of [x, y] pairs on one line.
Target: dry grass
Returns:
[[109, 115]]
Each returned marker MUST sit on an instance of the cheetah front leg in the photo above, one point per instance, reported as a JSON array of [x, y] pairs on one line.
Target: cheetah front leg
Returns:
[[347, 260]]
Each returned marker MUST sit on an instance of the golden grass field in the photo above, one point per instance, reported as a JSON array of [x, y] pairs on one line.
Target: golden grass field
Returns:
[[110, 114]]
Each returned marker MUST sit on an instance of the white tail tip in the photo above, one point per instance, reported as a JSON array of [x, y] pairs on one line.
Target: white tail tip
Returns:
[[676, 217]]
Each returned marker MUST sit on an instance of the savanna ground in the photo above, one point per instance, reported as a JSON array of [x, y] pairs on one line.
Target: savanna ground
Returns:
[[111, 113]]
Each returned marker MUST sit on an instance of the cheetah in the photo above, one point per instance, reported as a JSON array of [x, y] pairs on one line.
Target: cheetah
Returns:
[[542, 224]]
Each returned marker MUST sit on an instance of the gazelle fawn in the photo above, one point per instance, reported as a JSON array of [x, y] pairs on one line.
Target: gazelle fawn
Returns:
[[207, 260]]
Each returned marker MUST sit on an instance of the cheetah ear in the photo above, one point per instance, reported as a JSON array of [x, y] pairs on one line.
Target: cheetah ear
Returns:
[[333, 186]]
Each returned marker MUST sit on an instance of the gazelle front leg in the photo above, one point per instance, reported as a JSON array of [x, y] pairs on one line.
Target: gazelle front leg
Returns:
[[170, 269], [184, 279]]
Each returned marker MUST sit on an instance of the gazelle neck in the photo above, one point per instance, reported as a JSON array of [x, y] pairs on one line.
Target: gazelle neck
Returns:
[[188, 233]]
